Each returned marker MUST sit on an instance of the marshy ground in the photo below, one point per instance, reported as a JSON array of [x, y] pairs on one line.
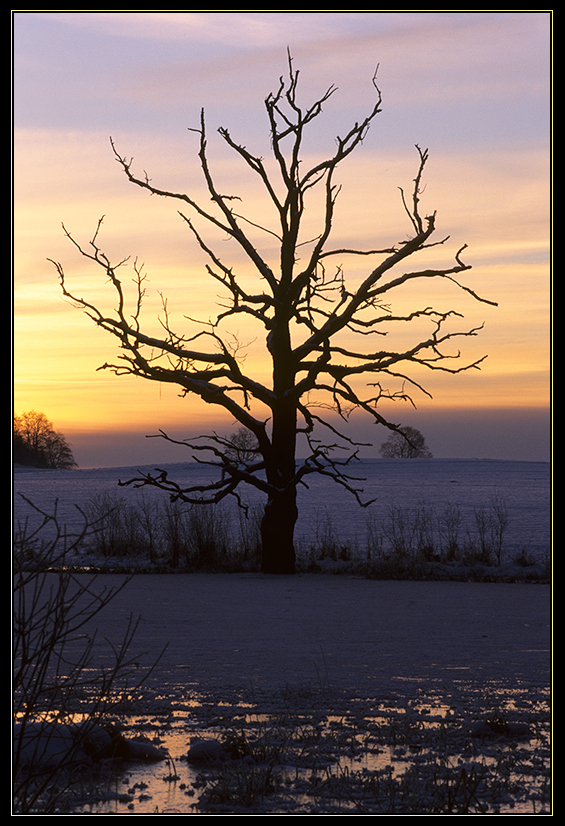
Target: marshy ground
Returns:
[[308, 749]]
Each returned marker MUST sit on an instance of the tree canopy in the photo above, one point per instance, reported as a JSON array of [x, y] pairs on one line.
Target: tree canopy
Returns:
[[36, 443], [321, 327], [405, 443]]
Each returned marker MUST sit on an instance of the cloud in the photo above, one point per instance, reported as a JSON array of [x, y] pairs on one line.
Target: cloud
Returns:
[[254, 29]]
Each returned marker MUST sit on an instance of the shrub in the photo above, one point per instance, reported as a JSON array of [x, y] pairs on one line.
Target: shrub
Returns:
[[409, 543], [58, 696]]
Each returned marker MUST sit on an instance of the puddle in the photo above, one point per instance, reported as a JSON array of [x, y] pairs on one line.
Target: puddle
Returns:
[[356, 759]]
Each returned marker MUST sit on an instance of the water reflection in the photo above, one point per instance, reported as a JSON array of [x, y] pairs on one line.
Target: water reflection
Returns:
[[347, 762]]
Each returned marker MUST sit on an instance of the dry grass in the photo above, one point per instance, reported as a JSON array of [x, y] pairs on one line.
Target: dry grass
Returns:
[[420, 542]]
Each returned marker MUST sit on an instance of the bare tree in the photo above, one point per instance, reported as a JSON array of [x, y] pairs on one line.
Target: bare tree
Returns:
[[242, 447], [319, 328], [405, 443], [37, 443]]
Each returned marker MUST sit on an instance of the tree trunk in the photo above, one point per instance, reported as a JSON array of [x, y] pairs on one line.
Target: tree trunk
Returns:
[[277, 534], [281, 513]]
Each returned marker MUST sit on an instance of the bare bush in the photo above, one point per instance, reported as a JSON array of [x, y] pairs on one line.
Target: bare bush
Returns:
[[173, 534], [449, 524], [60, 694], [120, 530], [411, 537]]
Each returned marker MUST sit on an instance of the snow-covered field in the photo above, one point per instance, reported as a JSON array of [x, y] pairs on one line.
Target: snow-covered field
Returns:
[[258, 632], [242, 649], [469, 485]]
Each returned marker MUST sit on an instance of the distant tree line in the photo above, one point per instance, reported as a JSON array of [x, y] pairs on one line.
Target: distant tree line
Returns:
[[37, 444]]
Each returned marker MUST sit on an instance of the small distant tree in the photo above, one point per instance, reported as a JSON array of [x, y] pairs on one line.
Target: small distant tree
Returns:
[[242, 447], [322, 330], [36, 443], [405, 443]]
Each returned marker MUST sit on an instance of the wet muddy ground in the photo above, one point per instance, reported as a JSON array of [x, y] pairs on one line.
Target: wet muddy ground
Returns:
[[310, 749]]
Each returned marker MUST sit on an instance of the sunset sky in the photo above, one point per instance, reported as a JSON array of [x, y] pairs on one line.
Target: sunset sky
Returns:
[[472, 87]]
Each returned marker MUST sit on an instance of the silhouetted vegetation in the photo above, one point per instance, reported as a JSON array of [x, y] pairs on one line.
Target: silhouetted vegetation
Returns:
[[406, 443], [60, 699], [419, 542], [37, 444], [318, 319]]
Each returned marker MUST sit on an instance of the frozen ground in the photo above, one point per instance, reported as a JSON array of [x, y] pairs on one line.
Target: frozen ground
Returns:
[[346, 659], [467, 485], [380, 679], [261, 632], [351, 694]]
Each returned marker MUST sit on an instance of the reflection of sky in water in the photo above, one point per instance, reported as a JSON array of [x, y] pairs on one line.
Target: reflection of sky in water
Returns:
[[390, 742]]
